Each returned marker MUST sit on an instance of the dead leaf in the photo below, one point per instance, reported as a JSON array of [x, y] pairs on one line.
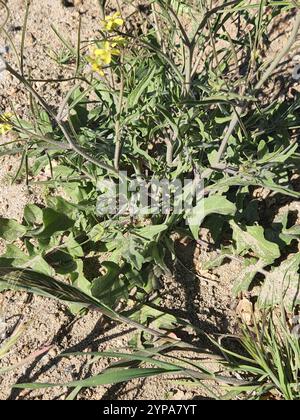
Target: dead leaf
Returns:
[[244, 310]]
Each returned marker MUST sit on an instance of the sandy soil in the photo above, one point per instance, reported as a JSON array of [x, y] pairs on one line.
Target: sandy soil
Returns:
[[206, 304]]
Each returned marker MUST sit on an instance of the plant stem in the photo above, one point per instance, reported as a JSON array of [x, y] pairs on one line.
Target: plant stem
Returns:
[[188, 70], [183, 32], [102, 4], [61, 124], [23, 36], [156, 50], [118, 139], [207, 16], [61, 111], [266, 75], [169, 153], [157, 27]]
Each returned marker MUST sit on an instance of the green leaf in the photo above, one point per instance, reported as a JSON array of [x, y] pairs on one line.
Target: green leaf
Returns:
[[156, 318], [13, 257], [97, 233], [246, 276], [280, 155], [253, 238], [10, 230], [106, 378], [54, 222], [33, 215], [62, 206], [139, 151], [150, 232], [44, 285], [104, 285], [79, 280], [212, 157], [41, 266], [215, 204], [293, 231], [236, 180], [61, 261], [131, 357], [218, 205], [135, 95], [73, 247], [133, 253], [215, 262], [282, 285]]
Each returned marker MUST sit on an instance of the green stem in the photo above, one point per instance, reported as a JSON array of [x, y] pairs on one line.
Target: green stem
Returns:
[[188, 70], [61, 124], [102, 4], [118, 139], [266, 75]]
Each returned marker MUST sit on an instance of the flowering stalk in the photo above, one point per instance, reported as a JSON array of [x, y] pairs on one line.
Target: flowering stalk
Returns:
[[102, 54], [112, 22]]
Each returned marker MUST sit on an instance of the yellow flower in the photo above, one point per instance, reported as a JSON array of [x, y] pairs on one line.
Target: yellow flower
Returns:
[[5, 125], [95, 65], [104, 55], [97, 69], [110, 23], [117, 41]]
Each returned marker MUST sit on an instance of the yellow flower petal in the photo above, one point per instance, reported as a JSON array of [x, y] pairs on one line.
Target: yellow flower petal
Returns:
[[117, 41], [5, 126], [106, 45], [109, 26], [119, 21], [95, 65], [97, 69], [112, 22], [116, 15], [104, 56], [115, 51]]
